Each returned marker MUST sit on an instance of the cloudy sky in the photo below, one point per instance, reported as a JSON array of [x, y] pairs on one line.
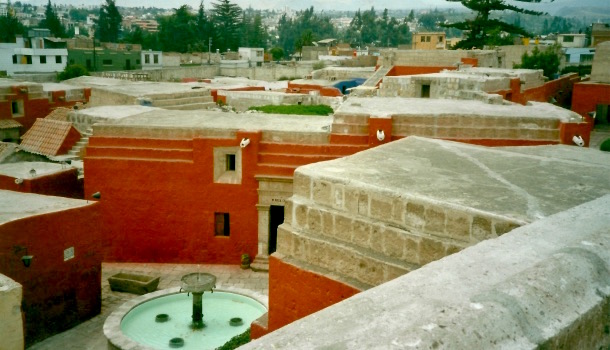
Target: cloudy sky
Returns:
[[322, 4]]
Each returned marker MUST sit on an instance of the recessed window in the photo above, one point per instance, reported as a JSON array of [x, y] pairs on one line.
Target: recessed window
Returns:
[[440, 39], [146, 59], [43, 59], [107, 62], [221, 224], [425, 91], [423, 39], [568, 39], [14, 59], [17, 108], [230, 162], [155, 59], [57, 59], [227, 165], [28, 59]]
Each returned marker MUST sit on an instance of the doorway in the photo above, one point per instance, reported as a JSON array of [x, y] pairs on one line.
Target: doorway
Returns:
[[276, 218], [128, 64]]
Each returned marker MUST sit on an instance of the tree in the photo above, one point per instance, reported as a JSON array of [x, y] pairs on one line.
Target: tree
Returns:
[[277, 53], [178, 31], [52, 22], [10, 26], [480, 28], [109, 23], [547, 60], [432, 20], [227, 18]]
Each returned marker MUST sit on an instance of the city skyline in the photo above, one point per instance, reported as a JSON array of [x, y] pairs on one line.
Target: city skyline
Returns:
[[350, 5]]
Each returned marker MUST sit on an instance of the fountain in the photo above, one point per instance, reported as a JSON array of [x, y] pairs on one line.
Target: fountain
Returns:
[[173, 318], [197, 283]]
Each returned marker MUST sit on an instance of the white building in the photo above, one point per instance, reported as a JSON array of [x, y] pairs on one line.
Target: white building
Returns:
[[39, 53], [152, 59], [571, 40], [256, 56]]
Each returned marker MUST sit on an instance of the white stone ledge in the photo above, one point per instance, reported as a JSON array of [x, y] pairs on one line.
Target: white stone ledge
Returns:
[[545, 284]]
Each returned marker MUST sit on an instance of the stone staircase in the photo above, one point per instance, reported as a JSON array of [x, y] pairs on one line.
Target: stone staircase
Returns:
[[371, 83], [78, 149], [196, 99]]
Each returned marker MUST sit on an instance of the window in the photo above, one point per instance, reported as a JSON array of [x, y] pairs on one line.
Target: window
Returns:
[[156, 59], [14, 59], [57, 59], [425, 91], [221, 224], [427, 38], [28, 59], [586, 57], [230, 162], [440, 39], [107, 62], [17, 108], [146, 59], [423, 39], [227, 165], [138, 61], [568, 39], [43, 59]]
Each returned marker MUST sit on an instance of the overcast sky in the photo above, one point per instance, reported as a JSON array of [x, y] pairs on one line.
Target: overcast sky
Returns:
[[320, 4]]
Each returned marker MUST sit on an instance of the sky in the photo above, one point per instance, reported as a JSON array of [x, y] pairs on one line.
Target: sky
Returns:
[[322, 4]]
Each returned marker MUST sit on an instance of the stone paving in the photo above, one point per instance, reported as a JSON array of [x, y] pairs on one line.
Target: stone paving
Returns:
[[90, 336]]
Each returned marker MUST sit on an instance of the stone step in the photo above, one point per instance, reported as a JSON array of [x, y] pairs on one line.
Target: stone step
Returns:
[[260, 263], [192, 106], [182, 94]]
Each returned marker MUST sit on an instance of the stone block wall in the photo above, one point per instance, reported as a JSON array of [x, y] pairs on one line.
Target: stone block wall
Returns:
[[543, 285]]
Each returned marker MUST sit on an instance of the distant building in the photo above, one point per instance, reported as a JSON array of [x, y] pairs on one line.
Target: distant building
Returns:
[[572, 40], [600, 32], [429, 41], [152, 59], [39, 52], [99, 57], [255, 56]]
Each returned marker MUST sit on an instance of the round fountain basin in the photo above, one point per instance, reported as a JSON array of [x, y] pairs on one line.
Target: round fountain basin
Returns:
[[219, 308]]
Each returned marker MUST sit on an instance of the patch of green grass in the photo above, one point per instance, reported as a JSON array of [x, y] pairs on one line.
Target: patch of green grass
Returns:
[[236, 341], [294, 109]]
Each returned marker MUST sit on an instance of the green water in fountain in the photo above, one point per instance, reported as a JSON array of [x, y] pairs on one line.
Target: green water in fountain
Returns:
[[218, 309]]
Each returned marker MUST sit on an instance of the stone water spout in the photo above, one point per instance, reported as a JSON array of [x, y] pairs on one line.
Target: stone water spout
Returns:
[[198, 283]]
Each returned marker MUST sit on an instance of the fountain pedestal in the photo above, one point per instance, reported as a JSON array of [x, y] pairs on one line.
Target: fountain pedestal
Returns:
[[197, 284]]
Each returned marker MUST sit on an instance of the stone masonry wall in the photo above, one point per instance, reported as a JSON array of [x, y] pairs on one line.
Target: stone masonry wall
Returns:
[[542, 286]]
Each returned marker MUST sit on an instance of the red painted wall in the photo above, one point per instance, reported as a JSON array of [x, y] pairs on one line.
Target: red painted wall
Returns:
[[62, 184], [161, 209], [414, 70], [57, 294], [295, 293], [329, 91], [35, 107], [587, 96]]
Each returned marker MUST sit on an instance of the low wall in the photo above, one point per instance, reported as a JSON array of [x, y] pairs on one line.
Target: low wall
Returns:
[[544, 285], [242, 100]]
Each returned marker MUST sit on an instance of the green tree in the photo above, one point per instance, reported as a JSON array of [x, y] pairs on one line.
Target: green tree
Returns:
[[479, 29], [277, 53], [411, 16], [290, 30], [432, 20], [204, 29], [547, 60], [52, 22], [109, 23], [178, 31], [10, 26], [72, 71], [227, 19]]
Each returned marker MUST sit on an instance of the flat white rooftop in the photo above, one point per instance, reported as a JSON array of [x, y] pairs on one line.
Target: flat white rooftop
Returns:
[[23, 169], [385, 107], [17, 205]]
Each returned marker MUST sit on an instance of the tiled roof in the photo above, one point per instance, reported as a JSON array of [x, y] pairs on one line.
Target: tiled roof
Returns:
[[9, 124], [59, 113], [45, 137]]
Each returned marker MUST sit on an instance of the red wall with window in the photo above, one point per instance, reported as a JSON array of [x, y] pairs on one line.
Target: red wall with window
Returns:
[[158, 204]]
